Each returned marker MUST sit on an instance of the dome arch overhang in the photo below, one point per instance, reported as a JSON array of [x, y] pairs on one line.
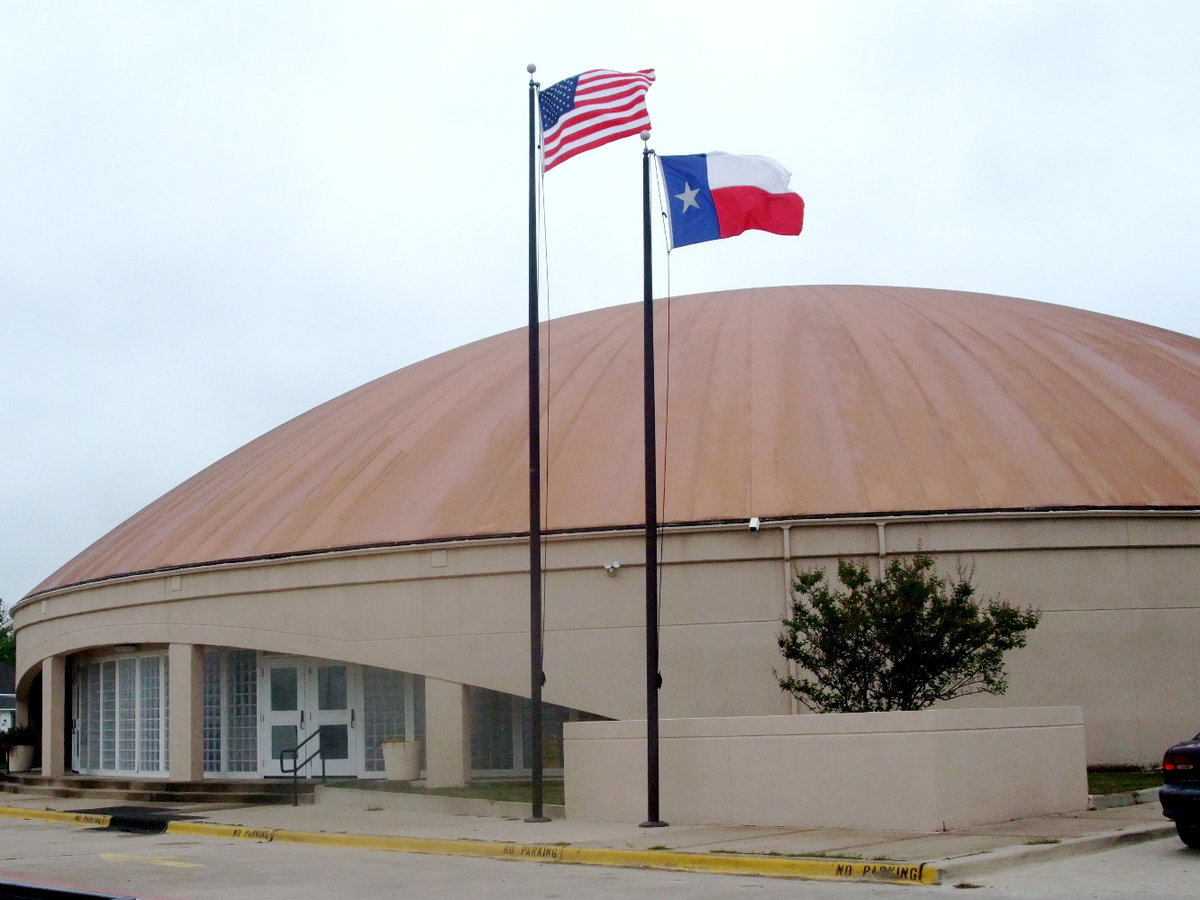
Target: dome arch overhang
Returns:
[[790, 401]]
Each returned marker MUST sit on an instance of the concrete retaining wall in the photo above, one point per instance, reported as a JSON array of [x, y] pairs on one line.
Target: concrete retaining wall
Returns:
[[913, 771]]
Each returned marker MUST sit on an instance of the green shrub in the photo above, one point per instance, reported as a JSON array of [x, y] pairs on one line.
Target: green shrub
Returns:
[[899, 642]]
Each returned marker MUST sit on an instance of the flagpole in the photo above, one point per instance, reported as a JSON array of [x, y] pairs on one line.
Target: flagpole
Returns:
[[653, 676], [536, 675]]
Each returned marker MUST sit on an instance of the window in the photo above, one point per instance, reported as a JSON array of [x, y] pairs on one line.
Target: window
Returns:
[[500, 725], [393, 707], [231, 711], [120, 722]]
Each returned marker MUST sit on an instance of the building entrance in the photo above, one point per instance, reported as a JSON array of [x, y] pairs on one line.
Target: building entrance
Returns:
[[304, 697], [256, 704]]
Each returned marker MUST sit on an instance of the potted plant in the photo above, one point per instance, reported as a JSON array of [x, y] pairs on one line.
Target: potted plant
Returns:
[[401, 759], [18, 744]]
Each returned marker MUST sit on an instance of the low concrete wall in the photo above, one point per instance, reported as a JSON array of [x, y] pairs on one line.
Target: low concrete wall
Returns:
[[368, 799], [906, 771]]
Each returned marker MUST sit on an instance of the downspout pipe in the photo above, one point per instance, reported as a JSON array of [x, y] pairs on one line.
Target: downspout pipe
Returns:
[[790, 703]]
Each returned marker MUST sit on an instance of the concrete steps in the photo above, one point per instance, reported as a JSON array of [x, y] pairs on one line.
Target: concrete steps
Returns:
[[148, 790]]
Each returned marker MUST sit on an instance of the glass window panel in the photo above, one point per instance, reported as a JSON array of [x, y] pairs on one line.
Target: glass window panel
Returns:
[[553, 718], [166, 719], [81, 714], [418, 682], [335, 741], [120, 715], [491, 730], [283, 737], [149, 703], [230, 711], [127, 714], [92, 727], [241, 712], [212, 711], [417, 694], [331, 687], [108, 715], [284, 689], [383, 712]]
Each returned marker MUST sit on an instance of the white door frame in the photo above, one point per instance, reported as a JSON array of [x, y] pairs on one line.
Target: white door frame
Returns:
[[303, 685]]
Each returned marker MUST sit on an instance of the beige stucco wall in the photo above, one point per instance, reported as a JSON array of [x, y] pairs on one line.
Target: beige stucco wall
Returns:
[[931, 770], [1120, 594]]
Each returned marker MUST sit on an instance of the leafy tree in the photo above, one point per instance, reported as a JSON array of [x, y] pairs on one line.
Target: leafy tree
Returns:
[[8, 643], [900, 642]]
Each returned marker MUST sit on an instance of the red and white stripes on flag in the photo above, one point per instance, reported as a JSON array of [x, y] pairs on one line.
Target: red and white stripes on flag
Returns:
[[591, 109]]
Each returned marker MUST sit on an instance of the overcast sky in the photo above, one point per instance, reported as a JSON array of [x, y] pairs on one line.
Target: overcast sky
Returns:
[[215, 216]]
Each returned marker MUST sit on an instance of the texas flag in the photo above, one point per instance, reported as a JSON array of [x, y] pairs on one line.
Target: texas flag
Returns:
[[720, 195]]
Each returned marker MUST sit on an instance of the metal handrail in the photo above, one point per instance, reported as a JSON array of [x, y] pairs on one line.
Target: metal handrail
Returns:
[[294, 752]]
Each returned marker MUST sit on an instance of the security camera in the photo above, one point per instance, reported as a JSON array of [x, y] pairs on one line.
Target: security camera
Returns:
[[754, 524]]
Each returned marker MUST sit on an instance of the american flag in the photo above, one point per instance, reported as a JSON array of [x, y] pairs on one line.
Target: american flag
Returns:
[[591, 109]]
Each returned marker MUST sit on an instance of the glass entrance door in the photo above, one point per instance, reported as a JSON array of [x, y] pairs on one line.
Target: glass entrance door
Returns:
[[283, 717], [334, 716], [302, 697]]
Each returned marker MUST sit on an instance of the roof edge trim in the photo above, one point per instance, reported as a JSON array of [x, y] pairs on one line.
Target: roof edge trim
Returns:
[[715, 524]]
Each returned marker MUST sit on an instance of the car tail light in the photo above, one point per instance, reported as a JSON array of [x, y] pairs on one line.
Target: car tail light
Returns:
[[1177, 762]]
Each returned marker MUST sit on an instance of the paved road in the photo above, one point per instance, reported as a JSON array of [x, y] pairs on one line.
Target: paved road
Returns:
[[1163, 868], [177, 867]]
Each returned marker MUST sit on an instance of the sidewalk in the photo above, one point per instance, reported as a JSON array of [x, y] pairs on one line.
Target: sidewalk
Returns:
[[409, 823]]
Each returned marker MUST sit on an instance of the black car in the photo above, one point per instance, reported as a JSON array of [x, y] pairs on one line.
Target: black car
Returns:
[[1180, 794]]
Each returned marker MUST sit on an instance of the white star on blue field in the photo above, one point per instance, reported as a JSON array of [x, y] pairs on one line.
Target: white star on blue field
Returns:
[[688, 197]]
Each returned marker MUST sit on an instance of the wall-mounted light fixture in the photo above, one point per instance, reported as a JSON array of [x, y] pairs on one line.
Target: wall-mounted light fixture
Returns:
[[611, 568]]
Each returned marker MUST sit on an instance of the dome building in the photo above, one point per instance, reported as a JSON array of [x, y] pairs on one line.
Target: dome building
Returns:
[[362, 570]]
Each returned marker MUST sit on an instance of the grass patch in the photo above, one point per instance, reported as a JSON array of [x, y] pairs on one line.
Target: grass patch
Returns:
[[1039, 841], [506, 790], [1119, 779]]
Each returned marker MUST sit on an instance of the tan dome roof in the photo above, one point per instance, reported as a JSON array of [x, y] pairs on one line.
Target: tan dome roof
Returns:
[[790, 401]]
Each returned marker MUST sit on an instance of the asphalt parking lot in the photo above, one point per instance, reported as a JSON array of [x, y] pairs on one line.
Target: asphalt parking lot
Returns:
[[175, 867]]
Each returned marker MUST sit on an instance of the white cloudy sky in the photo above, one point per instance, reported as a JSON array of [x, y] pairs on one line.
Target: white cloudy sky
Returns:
[[216, 215]]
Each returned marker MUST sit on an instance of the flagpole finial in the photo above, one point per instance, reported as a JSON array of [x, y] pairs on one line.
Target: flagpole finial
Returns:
[[645, 136], [531, 68]]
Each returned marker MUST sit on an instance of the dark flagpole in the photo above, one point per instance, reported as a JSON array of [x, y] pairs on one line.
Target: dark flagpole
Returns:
[[653, 677], [537, 676]]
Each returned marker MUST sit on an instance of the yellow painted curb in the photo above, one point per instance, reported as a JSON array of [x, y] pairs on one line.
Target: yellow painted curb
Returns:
[[50, 815], [773, 866]]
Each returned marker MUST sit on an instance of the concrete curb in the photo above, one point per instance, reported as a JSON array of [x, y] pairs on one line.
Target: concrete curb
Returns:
[[832, 869], [62, 818], [1124, 798], [722, 863], [958, 868], [729, 864]]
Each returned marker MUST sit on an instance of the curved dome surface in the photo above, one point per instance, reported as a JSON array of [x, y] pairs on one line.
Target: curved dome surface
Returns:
[[790, 401]]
